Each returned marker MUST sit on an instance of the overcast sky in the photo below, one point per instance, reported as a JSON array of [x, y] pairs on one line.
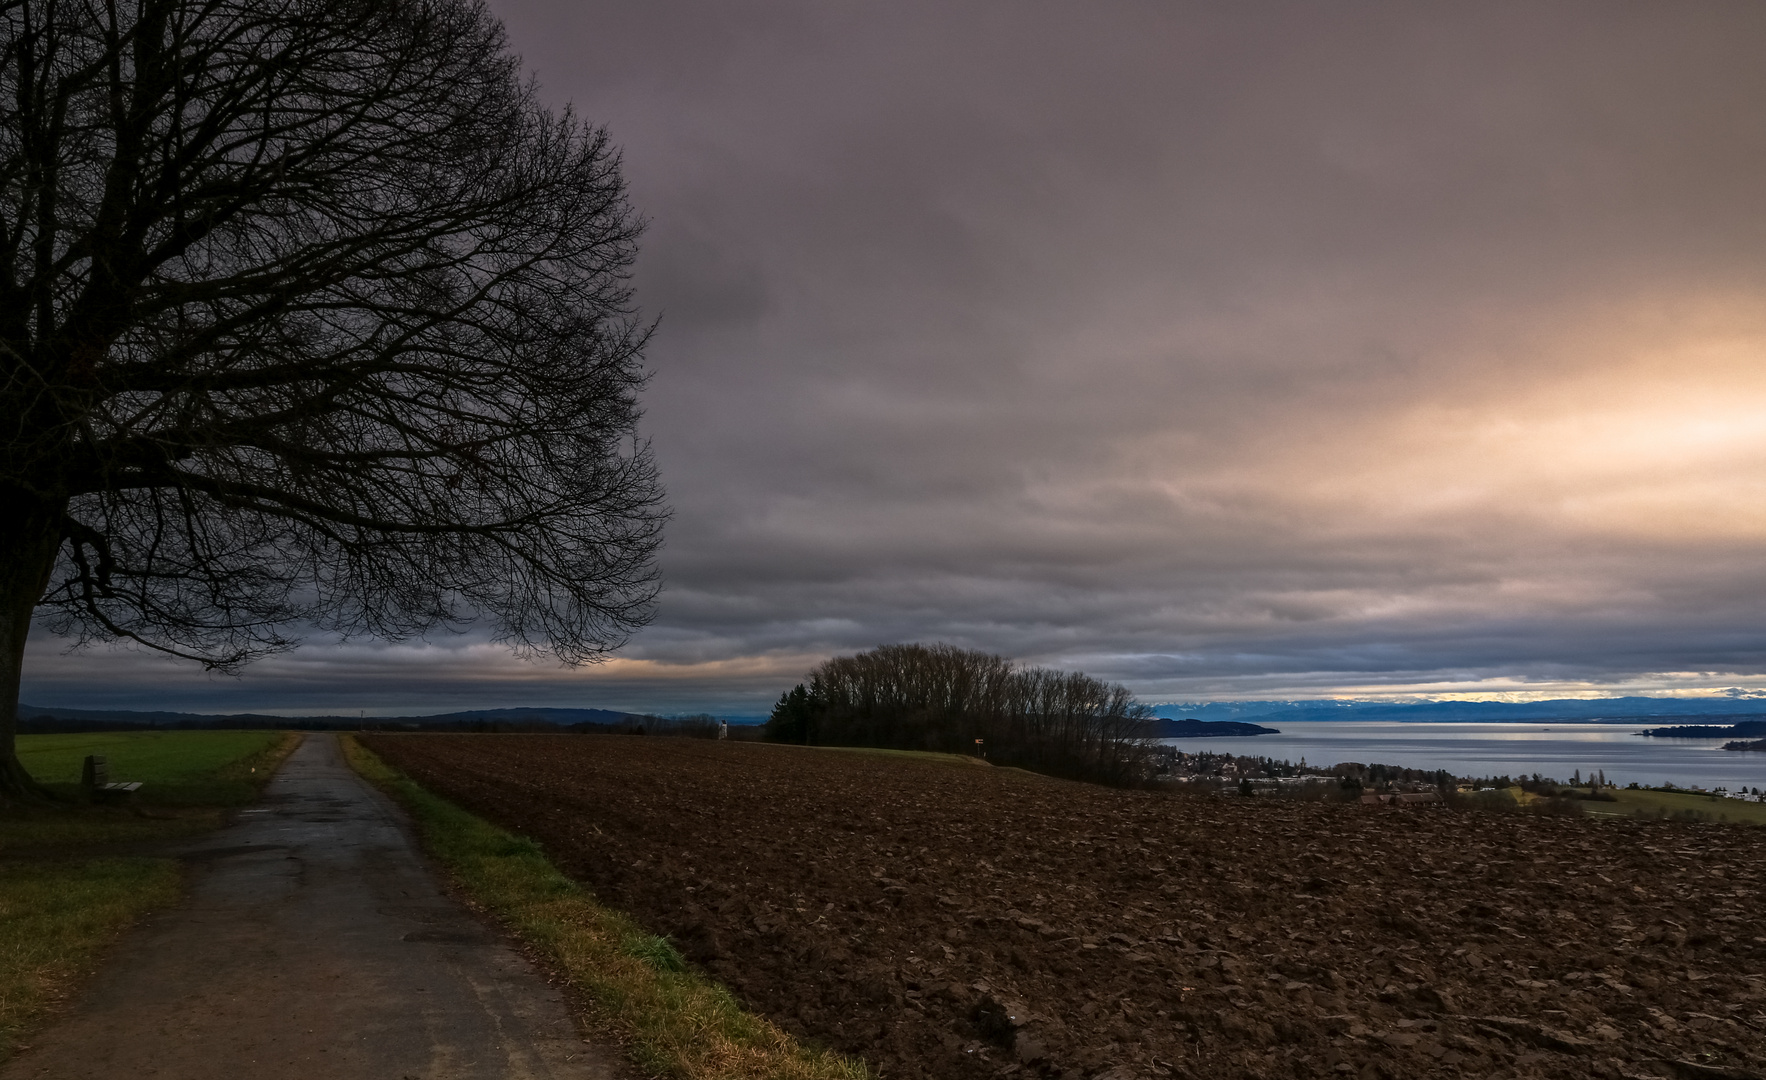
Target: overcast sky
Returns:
[[1226, 350]]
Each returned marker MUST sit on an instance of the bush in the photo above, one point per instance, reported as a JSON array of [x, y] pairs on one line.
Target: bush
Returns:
[[1497, 800], [1557, 806]]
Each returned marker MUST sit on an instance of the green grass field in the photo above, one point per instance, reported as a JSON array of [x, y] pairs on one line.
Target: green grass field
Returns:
[[197, 768], [188, 780], [1649, 803], [1636, 802], [66, 891]]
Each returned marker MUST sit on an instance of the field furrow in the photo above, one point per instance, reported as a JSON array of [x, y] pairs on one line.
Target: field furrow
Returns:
[[945, 919]]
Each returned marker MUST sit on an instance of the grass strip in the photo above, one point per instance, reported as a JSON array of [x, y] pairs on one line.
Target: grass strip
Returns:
[[54, 919], [672, 1021]]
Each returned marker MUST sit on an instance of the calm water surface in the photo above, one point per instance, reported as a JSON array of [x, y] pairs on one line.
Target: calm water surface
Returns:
[[1554, 750]]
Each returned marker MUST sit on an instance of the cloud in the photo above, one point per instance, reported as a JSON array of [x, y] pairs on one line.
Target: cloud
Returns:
[[1225, 350]]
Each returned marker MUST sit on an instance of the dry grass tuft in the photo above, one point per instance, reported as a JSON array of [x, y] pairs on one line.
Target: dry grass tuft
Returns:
[[672, 1021]]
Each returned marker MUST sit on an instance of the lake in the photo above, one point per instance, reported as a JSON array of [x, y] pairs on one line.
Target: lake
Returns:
[[1550, 749]]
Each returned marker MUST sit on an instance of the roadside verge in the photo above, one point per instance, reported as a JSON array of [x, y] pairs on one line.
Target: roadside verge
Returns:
[[71, 878], [632, 988]]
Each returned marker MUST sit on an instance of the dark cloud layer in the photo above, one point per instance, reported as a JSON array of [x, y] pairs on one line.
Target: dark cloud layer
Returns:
[[1222, 349]]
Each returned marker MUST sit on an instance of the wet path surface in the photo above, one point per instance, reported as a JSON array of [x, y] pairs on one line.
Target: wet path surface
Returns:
[[314, 943]]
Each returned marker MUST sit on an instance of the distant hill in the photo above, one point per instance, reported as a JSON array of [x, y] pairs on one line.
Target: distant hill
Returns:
[[551, 716], [34, 718], [1565, 710], [1193, 729], [1727, 711]]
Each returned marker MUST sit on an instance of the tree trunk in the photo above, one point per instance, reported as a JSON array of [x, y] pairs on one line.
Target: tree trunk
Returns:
[[28, 542]]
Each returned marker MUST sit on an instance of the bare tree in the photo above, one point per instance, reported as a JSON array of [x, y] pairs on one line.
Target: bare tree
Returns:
[[309, 315]]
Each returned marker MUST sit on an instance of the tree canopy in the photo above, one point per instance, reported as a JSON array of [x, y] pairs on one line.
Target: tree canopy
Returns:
[[938, 697], [310, 315]]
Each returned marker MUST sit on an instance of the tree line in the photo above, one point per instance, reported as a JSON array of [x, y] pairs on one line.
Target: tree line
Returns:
[[941, 698]]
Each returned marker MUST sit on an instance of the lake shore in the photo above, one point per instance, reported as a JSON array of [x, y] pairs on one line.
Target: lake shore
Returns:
[[1550, 748]]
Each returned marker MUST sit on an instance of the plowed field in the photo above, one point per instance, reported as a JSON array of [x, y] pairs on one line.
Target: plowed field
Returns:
[[953, 920]]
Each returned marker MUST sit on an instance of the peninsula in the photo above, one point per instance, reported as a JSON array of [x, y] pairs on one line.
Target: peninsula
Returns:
[[1192, 729]]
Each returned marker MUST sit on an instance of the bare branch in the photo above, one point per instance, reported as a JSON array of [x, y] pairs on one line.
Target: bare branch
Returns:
[[310, 313]]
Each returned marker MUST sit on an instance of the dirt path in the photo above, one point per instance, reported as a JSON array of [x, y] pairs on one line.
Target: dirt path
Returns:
[[315, 943]]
